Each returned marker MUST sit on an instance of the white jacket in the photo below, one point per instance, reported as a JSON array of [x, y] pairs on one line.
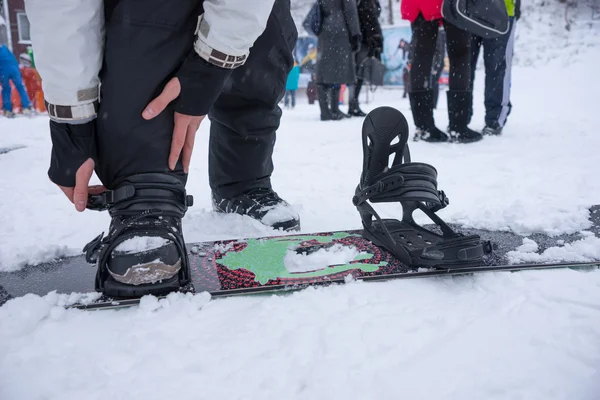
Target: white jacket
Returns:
[[68, 38]]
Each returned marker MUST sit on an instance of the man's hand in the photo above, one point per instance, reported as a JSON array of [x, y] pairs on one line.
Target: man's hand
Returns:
[[185, 128], [79, 194]]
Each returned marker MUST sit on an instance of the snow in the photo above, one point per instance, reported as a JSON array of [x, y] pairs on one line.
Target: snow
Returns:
[[583, 250], [278, 213], [320, 259], [141, 243], [523, 335]]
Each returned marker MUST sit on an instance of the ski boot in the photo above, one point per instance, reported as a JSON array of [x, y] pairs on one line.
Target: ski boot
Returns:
[[144, 251], [414, 185], [262, 204]]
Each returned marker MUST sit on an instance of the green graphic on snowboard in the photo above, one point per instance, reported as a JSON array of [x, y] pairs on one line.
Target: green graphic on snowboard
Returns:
[[265, 258]]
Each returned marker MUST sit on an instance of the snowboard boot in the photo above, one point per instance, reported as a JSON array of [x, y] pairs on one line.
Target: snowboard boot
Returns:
[[414, 185], [492, 131], [421, 104], [335, 104], [459, 102], [144, 251], [324, 94], [354, 110], [262, 204]]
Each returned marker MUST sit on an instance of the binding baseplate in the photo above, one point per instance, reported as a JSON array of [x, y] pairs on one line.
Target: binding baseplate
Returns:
[[414, 185]]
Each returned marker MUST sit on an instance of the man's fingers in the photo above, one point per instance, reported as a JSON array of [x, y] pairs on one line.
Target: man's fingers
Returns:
[[169, 93], [82, 179], [178, 141], [188, 147]]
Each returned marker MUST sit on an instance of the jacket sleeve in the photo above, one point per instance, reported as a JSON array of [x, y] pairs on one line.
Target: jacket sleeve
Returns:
[[351, 17], [224, 35], [68, 38], [231, 27]]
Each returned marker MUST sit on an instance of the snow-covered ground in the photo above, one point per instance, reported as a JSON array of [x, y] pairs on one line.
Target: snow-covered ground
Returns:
[[528, 335]]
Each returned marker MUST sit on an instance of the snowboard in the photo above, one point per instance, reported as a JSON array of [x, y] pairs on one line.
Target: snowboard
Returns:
[[284, 263]]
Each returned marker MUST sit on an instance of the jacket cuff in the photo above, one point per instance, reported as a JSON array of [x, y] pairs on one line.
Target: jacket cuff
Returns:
[[201, 84]]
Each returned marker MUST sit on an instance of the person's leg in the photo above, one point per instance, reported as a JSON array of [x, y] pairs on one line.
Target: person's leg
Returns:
[[244, 120], [420, 91], [17, 79], [293, 95], [498, 59], [286, 99], [146, 42], [324, 94], [459, 94], [476, 42], [6, 92]]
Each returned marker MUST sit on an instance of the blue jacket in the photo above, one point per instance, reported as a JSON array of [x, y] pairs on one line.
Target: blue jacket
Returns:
[[8, 62], [293, 78]]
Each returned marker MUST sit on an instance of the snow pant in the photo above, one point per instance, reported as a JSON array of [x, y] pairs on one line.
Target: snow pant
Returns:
[[497, 57], [424, 37], [13, 75], [146, 43]]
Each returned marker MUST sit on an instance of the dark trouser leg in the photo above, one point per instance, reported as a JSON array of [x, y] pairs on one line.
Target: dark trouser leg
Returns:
[[458, 43], [324, 91], [476, 42], [498, 59], [424, 35], [293, 95], [246, 115], [146, 42]]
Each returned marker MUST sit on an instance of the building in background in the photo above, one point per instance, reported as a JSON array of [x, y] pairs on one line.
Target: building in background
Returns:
[[14, 32]]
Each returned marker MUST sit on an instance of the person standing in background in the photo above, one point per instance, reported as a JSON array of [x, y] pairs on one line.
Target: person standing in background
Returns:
[[425, 17], [340, 37], [371, 46], [497, 57], [291, 86], [9, 71]]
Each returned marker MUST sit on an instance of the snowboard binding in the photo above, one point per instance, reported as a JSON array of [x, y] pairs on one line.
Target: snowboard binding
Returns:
[[146, 206], [414, 185]]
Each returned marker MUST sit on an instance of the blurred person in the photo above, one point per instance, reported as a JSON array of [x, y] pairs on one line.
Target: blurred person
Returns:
[[371, 46], [405, 47], [497, 57], [10, 72], [425, 17], [340, 37], [291, 86]]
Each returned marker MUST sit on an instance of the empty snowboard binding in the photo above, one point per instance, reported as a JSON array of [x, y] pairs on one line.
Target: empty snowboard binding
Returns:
[[148, 207], [414, 185]]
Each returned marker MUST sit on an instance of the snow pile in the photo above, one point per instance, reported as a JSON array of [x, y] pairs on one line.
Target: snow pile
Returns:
[[585, 250], [278, 213], [335, 255]]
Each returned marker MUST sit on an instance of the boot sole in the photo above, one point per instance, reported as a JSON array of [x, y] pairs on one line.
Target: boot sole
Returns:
[[147, 273]]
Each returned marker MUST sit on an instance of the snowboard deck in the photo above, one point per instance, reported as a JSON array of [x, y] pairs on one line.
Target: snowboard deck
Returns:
[[282, 263]]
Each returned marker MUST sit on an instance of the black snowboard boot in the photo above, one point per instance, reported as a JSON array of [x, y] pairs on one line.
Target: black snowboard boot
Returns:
[[324, 92], [459, 102], [414, 185], [144, 251], [492, 130], [421, 104], [354, 109], [335, 104], [262, 204]]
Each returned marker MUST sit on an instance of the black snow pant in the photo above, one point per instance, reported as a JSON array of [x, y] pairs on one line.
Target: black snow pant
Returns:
[[497, 58], [423, 44], [146, 43]]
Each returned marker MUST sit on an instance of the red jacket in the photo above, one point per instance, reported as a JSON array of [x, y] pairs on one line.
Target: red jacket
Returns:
[[431, 9]]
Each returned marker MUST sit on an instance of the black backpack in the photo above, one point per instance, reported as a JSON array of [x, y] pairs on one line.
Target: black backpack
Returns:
[[485, 18]]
